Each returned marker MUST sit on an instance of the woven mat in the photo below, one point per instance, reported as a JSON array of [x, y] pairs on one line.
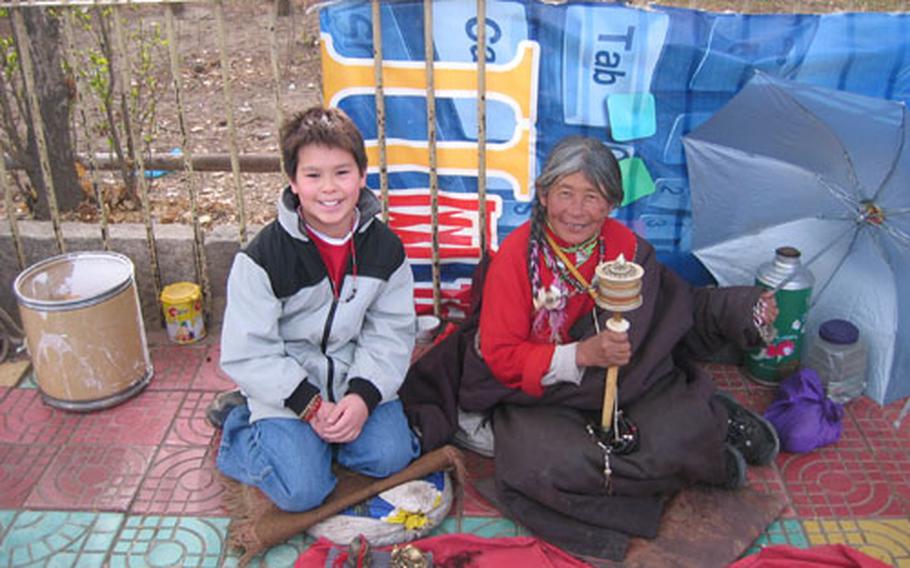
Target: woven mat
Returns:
[[703, 527], [700, 528], [257, 524]]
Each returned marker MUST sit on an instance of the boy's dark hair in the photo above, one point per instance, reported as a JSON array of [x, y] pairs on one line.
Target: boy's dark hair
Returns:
[[319, 126]]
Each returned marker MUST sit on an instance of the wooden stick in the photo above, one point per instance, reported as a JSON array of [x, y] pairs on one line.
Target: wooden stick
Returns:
[[277, 526]]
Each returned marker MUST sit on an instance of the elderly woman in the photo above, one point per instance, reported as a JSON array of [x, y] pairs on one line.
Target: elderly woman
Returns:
[[537, 361]]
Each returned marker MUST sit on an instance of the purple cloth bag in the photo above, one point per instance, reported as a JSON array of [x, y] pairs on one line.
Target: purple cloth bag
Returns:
[[803, 416]]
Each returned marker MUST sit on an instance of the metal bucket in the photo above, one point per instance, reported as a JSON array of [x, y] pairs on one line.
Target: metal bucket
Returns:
[[84, 331]]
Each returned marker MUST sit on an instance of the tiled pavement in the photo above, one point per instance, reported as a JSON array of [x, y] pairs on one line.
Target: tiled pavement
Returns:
[[135, 485]]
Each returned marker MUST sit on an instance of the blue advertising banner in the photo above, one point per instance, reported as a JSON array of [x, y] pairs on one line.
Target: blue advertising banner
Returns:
[[638, 79]]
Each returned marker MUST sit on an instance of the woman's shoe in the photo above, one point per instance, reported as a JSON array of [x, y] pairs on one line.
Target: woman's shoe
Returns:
[[750, 433], [736, 468]]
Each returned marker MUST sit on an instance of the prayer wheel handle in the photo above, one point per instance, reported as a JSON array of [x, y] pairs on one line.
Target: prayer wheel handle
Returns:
[[618, 324]]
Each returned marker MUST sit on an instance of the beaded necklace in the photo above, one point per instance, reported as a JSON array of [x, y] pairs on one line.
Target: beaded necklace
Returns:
[[585, 248], [567, 271]]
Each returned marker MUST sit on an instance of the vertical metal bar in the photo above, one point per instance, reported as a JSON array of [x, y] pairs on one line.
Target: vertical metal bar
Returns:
[[70, 58], [482, 123], [232, 129], [276, 77], [431, 143], [10, 213], [125, 81], [380, 110], [202, 275], [38, 124]]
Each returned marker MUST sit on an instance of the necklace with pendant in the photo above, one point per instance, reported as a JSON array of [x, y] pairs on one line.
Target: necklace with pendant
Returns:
[[564, 269]]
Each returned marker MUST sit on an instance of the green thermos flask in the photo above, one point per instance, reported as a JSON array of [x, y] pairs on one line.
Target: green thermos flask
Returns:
[[773, 363]]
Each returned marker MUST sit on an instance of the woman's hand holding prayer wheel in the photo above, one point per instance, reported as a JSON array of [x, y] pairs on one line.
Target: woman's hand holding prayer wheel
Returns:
[[606, 349]]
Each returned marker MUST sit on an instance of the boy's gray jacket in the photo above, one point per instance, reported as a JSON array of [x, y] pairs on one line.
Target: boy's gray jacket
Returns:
[[287, 335]]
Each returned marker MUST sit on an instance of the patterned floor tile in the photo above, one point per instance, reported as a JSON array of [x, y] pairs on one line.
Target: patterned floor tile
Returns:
[[210, 376], [96, 477], [20, 469], [487, 527], [838, 483], [48, 538], [283, 555], [170, 541], [143, 420], [182, 480], [25, 419], [788, 531], [175, 366], [885, 539], [190, 427], [877, 424], [6, 520], [50, 459], [895, 465], [766, 479]]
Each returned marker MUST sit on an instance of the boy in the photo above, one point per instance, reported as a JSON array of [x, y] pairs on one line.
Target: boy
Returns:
[[319, 327]]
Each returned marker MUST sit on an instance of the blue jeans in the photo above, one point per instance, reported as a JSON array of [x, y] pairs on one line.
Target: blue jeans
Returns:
[[293, 466]]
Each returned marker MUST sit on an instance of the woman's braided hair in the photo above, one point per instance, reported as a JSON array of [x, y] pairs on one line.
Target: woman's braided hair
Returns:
[[571, 155]]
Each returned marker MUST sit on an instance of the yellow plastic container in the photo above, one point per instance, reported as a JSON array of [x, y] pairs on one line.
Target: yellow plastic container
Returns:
[[182, 305]]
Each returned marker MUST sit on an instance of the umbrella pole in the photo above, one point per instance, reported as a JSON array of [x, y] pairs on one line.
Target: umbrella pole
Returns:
[[903, 414]]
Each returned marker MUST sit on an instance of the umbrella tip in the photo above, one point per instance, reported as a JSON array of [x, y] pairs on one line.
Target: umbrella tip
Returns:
[[872, 213]]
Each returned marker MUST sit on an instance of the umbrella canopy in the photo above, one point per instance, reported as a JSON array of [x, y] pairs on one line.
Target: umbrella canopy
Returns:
[[827, 172]]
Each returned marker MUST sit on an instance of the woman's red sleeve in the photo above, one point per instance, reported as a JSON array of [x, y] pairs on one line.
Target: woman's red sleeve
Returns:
[[505, 325]]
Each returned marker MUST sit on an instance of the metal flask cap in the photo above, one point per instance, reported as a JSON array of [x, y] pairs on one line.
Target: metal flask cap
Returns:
[[788, 253]]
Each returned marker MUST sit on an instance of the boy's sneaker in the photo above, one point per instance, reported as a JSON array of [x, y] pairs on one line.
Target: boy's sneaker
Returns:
[[224, 403], [736, 468], [750, 433]]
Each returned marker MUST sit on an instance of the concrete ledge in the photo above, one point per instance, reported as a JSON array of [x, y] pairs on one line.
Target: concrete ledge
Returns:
[[174, 247]]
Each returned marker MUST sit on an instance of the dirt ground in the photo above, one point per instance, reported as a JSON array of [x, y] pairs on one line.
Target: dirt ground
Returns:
[[254, 96], [254, 99]]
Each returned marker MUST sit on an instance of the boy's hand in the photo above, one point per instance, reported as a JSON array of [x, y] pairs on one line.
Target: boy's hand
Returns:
[[346, 420], [605, 349], [320, 421]]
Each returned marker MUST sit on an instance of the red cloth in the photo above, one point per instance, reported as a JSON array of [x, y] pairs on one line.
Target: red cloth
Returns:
[[464, 550], [335, 257], [517, 357], [825, 556]]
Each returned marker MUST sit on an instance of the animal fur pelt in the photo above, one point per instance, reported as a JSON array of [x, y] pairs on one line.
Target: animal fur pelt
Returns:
[[257, 524]]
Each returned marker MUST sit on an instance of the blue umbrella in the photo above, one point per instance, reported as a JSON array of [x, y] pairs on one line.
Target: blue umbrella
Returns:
[[828, 172]]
